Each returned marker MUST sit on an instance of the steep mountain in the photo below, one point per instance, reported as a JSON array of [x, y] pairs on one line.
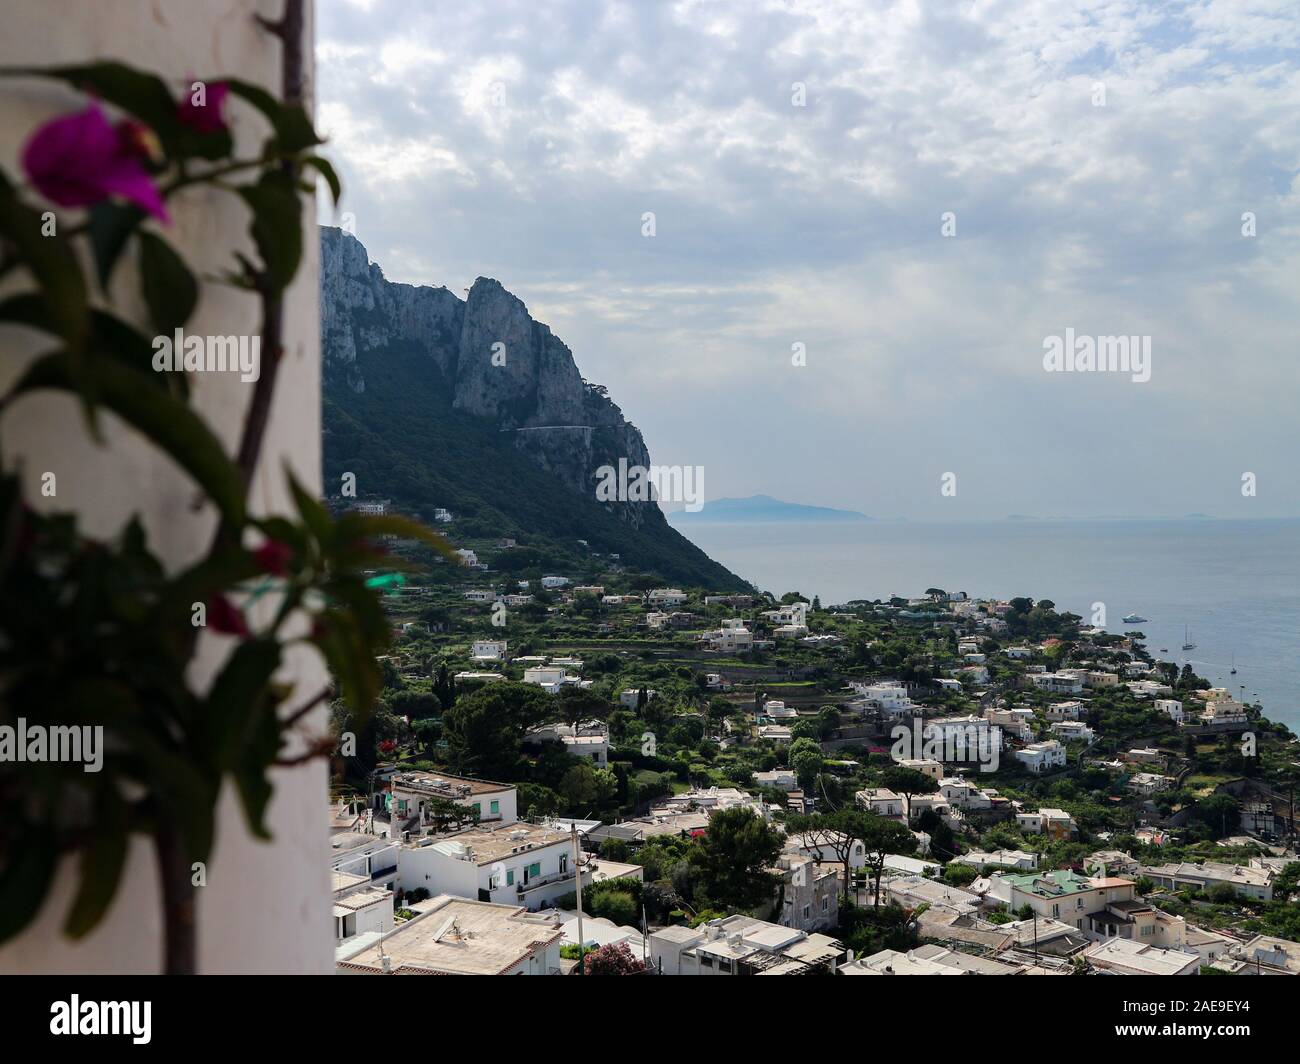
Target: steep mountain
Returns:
[[473, 406]]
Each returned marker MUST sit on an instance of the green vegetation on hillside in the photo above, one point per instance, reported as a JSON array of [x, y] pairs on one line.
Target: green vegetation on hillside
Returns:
[[404, 441]]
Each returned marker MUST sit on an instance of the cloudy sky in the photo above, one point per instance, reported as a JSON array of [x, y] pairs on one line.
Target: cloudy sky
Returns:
[[1098, 158]]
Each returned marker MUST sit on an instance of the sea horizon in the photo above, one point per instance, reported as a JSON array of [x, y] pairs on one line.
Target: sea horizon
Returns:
[[1231, 584]]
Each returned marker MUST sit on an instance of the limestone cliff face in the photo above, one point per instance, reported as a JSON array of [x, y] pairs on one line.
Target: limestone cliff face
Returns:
[[494, 359]]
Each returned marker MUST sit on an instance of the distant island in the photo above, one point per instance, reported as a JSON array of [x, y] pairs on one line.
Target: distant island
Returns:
[[765, 508]]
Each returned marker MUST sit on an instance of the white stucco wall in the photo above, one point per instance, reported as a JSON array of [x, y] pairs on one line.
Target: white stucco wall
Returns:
[[266, 907]]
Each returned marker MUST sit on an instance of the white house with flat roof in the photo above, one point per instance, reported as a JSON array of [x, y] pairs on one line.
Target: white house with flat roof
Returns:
[[460, 936], [1041, 757], [415, 793], [1248, 882], [1122, 956], [743, 945], [518, 864], [1073, 731], [360, 908], [1171, 707]]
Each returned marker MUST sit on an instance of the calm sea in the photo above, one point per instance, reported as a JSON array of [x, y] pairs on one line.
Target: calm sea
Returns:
[[1234, 585]]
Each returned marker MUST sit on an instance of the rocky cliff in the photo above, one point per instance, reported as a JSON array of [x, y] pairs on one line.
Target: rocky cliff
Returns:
[[494, 359], [452, 370]]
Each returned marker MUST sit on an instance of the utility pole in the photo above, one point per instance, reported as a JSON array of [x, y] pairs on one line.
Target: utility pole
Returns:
[[577, 867], [645, 936]]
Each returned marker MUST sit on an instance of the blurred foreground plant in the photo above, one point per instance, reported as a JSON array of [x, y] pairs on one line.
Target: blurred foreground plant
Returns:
[[99, 634]]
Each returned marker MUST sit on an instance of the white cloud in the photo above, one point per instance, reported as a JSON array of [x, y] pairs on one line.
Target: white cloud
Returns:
[[524, 142]]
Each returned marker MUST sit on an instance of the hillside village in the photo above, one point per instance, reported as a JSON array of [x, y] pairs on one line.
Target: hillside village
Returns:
[[750, 785]]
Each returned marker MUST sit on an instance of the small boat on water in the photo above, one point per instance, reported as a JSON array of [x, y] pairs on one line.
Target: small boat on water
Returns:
[[1234, 664], [1133, 618], [1187, 639]]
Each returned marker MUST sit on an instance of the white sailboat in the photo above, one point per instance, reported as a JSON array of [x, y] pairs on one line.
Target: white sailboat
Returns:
[[1187, 639]]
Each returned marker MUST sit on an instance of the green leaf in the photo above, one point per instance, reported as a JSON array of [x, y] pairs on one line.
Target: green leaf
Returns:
[[110, 337], [353, 526], [313, 513], [238, 695], [102, 862], [284, 530], [350, 660], [109, 227], [364, 605], [293, 129], [167, 422], [144, 95], [255, 790], [326, 170], [25, 880], [277, 226], [169, 288], [52, 263]]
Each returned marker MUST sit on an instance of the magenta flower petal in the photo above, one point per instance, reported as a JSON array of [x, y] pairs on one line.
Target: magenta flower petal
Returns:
[[62, 156], [79, 160], [225, 617], [128, 179], [206, 118]]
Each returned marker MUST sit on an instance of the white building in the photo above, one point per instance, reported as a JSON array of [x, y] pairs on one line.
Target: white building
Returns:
[[1057, 682], [1171, 707], [459, 936], [889, 695], [1041, 757], [416, 793], [551, 678], [589, 740], [730, 637], [489, 650], [1054, 822], [1123, 956], [666, 596], [1248, 882], [738, 945], [553, 582], [359, 907], [518, 864], [1070, 731], [881, 801], [1020, 860]]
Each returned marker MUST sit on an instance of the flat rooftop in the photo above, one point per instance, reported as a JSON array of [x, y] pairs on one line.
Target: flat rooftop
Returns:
[[457, 936], [490, 844], [346, 881], [444, 785]]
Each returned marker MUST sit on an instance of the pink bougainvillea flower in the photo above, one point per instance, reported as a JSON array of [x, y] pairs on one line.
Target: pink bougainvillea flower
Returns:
[[224, 617], [204, 117], [273, 557], [80, 160]]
